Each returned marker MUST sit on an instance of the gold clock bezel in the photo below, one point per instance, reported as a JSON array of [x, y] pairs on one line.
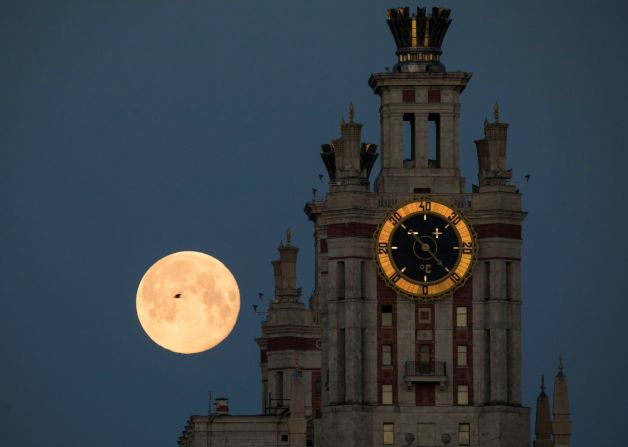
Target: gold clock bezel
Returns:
[[426, 291]]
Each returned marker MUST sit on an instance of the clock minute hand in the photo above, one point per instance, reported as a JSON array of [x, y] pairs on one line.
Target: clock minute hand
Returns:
[[438, 261]]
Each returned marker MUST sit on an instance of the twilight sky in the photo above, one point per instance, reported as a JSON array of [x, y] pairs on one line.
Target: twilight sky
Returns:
[[133, 129]]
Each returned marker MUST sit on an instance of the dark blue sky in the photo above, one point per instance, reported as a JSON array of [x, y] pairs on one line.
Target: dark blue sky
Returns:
[[133, 129]]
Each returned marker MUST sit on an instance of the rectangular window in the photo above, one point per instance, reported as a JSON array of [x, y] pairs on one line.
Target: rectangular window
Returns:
[[464, 434], [425, 358], [386, 355], [409, 95], [463, 394], [340, 280], [462, 356], [389, 433], [461, 317], [425, 316], [433, 96], [279, 387], [387, 394], [387, 315]]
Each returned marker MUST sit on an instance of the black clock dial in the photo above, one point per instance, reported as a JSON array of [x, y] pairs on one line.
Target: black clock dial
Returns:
[[425, 247]]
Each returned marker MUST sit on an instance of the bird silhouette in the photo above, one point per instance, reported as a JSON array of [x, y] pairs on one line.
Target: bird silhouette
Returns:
[[178, 295], [527, 176]]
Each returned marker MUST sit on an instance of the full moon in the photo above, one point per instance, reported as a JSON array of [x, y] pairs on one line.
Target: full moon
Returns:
[[188, 302]]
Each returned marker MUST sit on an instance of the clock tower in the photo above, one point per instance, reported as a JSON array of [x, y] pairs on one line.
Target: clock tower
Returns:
[[409, 366]]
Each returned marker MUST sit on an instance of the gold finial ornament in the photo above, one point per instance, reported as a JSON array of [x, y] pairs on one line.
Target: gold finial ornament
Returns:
[[496, 112], [543, 382], [288, 237], [560, 362], [426, 34], [351, 112]]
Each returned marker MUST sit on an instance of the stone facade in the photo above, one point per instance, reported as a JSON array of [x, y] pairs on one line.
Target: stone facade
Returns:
[[358, 350]]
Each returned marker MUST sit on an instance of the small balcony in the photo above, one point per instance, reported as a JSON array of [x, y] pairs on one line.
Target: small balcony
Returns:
[[425, 372]]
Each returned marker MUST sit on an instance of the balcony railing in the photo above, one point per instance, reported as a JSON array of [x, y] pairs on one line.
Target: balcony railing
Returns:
[[426, 369], [425, 372]]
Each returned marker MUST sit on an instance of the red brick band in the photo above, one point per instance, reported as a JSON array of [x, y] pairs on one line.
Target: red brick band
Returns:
[[509, 231], [291, 343], [351, 229]]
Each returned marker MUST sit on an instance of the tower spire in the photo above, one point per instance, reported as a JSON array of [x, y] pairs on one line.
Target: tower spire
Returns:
[[562, 421], [543, 424]]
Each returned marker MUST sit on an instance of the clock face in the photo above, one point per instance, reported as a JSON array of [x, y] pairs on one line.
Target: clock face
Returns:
[[425, 249]]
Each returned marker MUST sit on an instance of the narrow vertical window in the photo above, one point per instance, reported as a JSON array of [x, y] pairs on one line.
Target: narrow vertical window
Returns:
[[461, 358], [387, 394], [341, 365], [386, 355], [433, 132], [509, 293], [389, 433], [340, 280], [363, 279], [464, 434], [279, 387], [463, 394], [461, 316], [387, 315], [408, 136], [487, 280]]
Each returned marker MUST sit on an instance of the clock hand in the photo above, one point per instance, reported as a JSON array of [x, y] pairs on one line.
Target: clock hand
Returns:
[[438, 261], [425, 247]]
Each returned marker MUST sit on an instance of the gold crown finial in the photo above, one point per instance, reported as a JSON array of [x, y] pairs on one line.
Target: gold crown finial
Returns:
[[496, 112], [288, 237], [351, 112]]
